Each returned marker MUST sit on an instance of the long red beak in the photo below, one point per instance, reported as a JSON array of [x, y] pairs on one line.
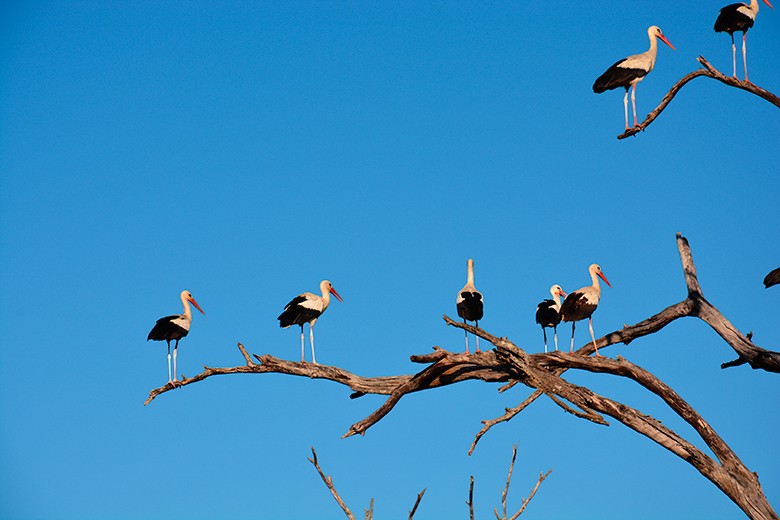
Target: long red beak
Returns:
[[604, 278], [663, 39], [192, 301], [562, 293], [767, 3], [337, 295]]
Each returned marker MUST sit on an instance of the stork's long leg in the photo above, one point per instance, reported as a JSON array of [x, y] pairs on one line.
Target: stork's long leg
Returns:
[[625, 110], [476, 338], [734, 55], [544, 332], [175, 353], [169, 361], [467, 337], [744, 55], [555, 335], [633, 103], [303, 359], [311, 340], [571, 348], [590, 326]]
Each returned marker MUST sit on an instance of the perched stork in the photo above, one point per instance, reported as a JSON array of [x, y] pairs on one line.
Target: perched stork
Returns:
[[581, 303], [548, 314], [738, 17], [469, 303], [306, 308], [173, 328], [629, 71]]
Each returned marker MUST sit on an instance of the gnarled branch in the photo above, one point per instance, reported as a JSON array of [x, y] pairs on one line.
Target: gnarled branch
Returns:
[[710, 72], [543, 372]]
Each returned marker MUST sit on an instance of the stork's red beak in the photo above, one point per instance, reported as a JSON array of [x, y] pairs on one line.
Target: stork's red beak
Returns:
[[604, 278], [663, 39], [337, 295], [767, 3], [192, 301], [562, 293]]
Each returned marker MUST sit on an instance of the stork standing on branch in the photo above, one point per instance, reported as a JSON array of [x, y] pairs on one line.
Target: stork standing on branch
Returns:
[[548, 314], [629, 71], [582, 303], [469, 303], [738, 17], [173, 328], [306, 308]]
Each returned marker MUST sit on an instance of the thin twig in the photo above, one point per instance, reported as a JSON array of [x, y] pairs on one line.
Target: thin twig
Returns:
[[416, 503], [471, 498], [329, 482], [526, 501]]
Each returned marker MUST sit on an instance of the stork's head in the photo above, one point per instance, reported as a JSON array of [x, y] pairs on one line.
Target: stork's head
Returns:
[[187, 296], [327, 287], [655, 31], [596, 269]]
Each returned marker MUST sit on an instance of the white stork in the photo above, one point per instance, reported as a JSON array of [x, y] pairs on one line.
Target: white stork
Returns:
[[306, 308], [548, 314], [173, 328], [581, 303], [469, 303], [629, 71], [738, 17]]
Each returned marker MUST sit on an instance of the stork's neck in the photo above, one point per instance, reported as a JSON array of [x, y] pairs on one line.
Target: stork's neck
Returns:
[[557, 299], [470, 279], [325, 297], [754, 6], [187, 310], [595, 280]]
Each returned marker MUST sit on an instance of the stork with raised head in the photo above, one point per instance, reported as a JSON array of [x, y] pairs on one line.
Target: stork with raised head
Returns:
[[173, 328], [548, 314], [738, 17], [581, 303], [469, 303], [306, 308], [629, 71]]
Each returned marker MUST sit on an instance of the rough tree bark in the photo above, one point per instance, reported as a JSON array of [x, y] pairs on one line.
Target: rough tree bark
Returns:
[[543, 372], [710, 72]]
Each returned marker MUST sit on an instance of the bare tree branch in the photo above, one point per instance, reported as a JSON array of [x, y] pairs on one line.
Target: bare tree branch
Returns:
[[471, 498], [507, 363], [416, 503], [329, 482], [710, 72]]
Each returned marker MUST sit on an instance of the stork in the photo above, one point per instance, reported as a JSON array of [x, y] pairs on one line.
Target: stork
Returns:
[[738, 17], [173, 328], [581, 303], [629, 71], [306, 308], [469, 303], [548, 314]]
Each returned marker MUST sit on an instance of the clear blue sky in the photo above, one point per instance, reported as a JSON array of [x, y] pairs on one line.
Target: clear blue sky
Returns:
[[245, 151]]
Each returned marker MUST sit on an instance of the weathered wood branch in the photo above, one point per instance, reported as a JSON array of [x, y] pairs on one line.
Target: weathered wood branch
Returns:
[[509, 364], [710, 72]]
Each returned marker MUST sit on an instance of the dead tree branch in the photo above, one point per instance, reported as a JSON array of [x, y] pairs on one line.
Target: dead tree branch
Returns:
[[710, 72], [507, 363], [329, 482]]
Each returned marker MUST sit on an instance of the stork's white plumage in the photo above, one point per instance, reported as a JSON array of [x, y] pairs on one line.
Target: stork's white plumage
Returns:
[[306, 308], [548, 314], [469, 302], [738, 17], [581, 303], [173, 328], [629, 71]]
